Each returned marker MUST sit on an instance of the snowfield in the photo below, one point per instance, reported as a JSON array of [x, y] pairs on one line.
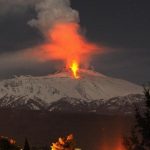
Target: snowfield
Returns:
[[41, 92]]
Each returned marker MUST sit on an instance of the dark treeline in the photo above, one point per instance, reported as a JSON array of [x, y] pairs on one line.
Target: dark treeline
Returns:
[[139, 138]]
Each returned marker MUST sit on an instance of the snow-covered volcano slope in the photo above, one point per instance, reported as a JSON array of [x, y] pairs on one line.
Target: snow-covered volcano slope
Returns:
[[91, 86]]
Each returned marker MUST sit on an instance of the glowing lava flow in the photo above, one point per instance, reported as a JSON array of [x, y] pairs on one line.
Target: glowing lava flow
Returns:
[[75, 68]]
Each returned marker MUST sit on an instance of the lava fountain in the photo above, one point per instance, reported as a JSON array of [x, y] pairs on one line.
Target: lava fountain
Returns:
[[66, 43], [75, 69]]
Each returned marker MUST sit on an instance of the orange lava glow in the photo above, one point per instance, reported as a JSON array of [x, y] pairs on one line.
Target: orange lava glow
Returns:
[[12, 141], [66, 43], [116, 144], [75, 68]]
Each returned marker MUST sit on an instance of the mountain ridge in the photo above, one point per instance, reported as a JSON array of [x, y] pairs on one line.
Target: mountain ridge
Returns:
[[43, 93]]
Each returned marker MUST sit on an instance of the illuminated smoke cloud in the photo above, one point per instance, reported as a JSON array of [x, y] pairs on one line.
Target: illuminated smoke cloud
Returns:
[[66, 44]]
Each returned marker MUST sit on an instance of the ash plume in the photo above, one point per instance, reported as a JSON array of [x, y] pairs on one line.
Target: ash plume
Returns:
[[50, 12]]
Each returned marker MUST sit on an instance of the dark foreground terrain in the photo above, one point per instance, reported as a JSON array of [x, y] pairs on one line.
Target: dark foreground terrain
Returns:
[[91, 131]]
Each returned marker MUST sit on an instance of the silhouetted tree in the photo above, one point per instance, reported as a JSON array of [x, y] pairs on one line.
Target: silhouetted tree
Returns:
[[140, 134], [26, 145]]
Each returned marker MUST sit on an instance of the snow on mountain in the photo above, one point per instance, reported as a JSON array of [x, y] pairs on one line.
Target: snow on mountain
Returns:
[[91, 86], [92, 92]]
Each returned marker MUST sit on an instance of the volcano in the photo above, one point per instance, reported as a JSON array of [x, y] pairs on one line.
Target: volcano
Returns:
[[60, 91]]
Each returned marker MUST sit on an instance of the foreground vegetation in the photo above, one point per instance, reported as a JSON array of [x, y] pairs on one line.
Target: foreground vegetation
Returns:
[[139, 138]]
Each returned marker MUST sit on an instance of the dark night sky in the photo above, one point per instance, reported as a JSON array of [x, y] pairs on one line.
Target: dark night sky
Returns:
[[122, 26]]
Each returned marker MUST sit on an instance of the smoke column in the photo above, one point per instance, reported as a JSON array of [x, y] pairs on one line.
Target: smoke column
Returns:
[[59, 23]]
